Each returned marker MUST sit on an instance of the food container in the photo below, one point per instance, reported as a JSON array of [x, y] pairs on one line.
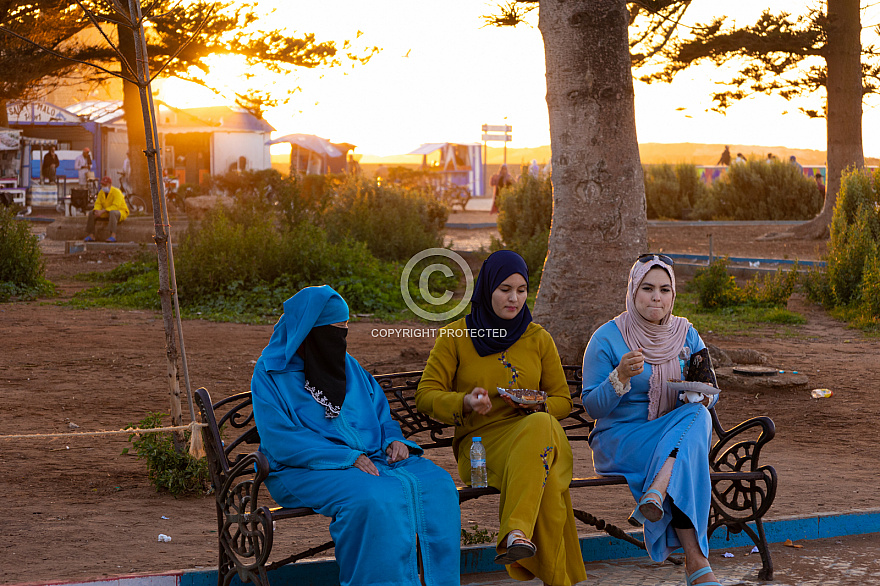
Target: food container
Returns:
[[524, 396]]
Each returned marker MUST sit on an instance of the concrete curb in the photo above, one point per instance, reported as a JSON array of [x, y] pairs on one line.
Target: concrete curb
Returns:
[[480, 559]]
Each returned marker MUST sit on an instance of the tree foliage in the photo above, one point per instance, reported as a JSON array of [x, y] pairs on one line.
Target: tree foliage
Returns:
[[780, 54], [181, 40]]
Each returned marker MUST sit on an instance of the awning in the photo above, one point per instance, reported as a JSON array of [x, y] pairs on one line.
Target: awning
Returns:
[[310, 142], [428, 148]]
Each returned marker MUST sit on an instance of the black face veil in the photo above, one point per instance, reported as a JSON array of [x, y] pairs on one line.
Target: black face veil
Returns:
[[323, 352]]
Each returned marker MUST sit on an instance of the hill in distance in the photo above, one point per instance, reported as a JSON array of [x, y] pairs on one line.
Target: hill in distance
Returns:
[[651, 153]]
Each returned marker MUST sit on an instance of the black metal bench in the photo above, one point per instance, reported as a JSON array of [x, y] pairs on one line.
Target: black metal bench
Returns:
[[742, 489]]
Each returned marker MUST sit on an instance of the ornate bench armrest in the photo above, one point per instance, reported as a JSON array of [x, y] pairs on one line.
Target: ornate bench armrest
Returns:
[[730, 453], [241, 485]]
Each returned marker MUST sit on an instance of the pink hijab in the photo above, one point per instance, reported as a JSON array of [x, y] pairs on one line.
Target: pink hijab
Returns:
[[660, 344]]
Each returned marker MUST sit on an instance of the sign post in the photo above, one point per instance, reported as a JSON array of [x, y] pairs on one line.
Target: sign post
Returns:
[[505, 137]]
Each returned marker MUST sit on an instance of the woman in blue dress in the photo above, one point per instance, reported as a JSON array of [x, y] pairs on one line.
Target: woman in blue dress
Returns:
[[643, 430], [326, 428]]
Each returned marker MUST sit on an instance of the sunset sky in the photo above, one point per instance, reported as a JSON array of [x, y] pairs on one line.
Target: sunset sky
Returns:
[[440, 76]]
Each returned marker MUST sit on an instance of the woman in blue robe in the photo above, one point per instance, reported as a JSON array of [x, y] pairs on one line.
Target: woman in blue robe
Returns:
[[326, 428], [644, 431]]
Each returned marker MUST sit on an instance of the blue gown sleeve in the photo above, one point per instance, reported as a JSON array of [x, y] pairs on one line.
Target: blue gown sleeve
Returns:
[[599, 398], [286, 443], [390, 428]]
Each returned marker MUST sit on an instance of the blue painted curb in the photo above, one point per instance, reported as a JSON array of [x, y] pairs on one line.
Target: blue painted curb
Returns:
[[481, 558], [462, 226], [704, 258]]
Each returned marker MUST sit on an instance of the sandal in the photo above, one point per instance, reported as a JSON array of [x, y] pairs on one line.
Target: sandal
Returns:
[[88, 239], [701, 572], [648, 509], [517, 548]]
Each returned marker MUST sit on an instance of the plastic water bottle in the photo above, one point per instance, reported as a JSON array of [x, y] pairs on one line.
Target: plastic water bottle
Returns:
[[816, 394], [479, 478]]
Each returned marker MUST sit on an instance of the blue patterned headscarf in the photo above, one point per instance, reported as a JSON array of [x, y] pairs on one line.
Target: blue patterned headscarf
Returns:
[[495, 270]]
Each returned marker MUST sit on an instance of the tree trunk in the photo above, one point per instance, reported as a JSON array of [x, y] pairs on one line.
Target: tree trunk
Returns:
[[4, 115], [599, 224], [139, 181], [844, 107]]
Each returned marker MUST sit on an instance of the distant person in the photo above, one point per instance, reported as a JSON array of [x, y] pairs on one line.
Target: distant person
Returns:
[[725, 157], [534, 169], [50, 166], [353, 166], [111, 206], [83, 165], [793, 160], [740, 158], [770, 158], [499, 181], [820, 184], [547, 171]]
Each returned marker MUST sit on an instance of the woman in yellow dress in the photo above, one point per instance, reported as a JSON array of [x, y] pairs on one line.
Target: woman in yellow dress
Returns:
[[528, 456]]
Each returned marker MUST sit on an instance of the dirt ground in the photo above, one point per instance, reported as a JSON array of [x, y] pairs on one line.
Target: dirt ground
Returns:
[[76, 508]]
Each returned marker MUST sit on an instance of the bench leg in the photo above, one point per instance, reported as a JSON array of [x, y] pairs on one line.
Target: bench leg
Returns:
[[766, 572]]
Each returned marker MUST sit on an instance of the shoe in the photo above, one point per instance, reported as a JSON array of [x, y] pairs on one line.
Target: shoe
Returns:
[[517, 548], [88, 239], [701, 572], [111, 239], [650, 508]]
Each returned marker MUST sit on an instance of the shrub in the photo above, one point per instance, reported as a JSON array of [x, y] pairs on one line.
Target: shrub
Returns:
[[524, 214], [715, 287], [855, 230], [757, 190], [672, 191], [22, 269], [772, 288], [242, 263], [870, 288], [169, 470], [395, 223]]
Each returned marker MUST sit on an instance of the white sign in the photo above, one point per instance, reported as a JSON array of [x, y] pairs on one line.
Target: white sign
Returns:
[[40, 112], [490, 128], [501, 137]]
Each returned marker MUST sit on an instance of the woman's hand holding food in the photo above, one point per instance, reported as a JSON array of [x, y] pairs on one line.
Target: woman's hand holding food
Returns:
[[631, 364], [478, 401], [397, 451]]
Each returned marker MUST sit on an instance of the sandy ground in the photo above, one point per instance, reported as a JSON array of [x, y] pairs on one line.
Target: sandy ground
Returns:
[[77, 508]]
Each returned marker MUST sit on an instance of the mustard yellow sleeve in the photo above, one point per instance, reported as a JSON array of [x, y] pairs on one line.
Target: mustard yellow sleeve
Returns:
[[436, 396], [559, 402]]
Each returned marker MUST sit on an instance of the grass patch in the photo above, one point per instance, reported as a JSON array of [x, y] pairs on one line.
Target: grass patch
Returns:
[[732, 320]]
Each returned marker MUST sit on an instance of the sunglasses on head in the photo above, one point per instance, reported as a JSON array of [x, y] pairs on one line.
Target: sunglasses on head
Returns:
[[649, 256]]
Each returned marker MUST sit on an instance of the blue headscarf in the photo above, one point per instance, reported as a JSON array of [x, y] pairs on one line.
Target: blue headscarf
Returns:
[[304, 340], [310, 308], [495, 270]]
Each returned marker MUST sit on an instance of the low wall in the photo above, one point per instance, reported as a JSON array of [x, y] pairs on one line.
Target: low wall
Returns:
[[133, 229]]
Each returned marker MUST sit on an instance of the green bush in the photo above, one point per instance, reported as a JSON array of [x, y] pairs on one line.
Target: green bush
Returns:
[[241, 263], [524, 213], [394, 222], [756, 190], [22, 269], [715, 287], [169, 470], [773, 288], [672, 191], [855, 230]]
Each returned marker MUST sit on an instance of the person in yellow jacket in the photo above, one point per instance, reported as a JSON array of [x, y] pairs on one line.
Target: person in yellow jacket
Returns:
[[110, 205], [528, 457]]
